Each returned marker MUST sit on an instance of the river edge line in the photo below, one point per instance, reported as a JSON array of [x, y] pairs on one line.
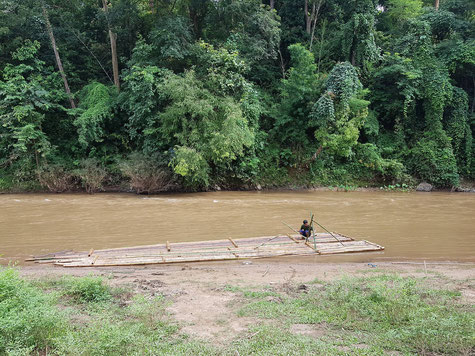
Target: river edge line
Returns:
[[468, 187]]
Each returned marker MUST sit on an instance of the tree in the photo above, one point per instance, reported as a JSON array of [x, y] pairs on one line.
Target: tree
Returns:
[[250, 29], [297, 94], [96, 108], [235, 92], [403, 10], [27, 96], [56, 55], [358, 42], [205, 130], [340, 112], [314, 17], [113, 41]]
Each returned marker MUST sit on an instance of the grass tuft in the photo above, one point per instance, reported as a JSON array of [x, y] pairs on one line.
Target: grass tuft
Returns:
[[91, 289]]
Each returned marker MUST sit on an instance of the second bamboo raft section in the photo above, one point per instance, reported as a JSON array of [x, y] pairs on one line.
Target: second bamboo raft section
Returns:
[[213, 250]]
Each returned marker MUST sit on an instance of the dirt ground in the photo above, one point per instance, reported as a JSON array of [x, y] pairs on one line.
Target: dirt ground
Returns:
[[205, 305]]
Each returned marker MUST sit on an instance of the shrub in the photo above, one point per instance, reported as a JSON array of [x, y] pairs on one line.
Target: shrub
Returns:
[[388, 170], [55, 178], [29, 319], [147, 174], [88, 289], [5, 181], [91, 174], [433, 160]]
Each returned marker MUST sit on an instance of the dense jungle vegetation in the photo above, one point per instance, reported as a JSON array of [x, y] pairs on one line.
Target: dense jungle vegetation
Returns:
[[195, 94]]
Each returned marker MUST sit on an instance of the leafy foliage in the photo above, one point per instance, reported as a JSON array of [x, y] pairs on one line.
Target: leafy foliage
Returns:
[[26, 97], [96, 108], [237, 93], [204, 129], [298, 91], [402, 10], [339, 113]]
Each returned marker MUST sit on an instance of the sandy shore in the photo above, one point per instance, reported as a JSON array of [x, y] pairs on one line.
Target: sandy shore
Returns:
[[202, 300]]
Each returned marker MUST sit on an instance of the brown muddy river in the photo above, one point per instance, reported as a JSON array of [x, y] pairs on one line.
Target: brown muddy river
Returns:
[[415, 226]]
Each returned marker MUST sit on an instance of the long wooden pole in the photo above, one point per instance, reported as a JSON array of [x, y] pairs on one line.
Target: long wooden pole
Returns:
[[313, 231], [290, 227], [262, 244], [328, 232]]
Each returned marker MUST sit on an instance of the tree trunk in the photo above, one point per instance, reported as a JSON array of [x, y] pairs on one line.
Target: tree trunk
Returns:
[[282, 65], [115, 63], [436, 4], [307, 18], [473, 100], [315, 13], [324, 26], [56, 55], [272, 5], [315, 155], [113, 39]]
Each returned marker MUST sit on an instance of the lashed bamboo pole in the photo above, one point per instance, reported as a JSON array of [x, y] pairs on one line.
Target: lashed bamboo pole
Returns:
[[328, 231]]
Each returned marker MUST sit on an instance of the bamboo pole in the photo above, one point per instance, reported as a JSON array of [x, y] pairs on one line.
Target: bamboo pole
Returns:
[[328, 232], [290, 227], [235, 244], [262, 244], [313, 230], [183, 248], [294, 240]]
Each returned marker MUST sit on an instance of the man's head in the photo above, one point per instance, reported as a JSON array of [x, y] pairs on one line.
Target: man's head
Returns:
[[305, 222]]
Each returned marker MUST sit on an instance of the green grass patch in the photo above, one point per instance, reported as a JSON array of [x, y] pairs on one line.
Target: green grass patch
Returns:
[[249, 293], [272, 340], [91, 289], [29, 318], [369, 315], [85, 316], [400, 313]]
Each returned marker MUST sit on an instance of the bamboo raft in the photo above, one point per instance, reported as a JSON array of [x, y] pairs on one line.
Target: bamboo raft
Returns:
[[229, 249]]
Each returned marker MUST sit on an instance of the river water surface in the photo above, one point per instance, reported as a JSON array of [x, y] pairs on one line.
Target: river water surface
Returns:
[[415, 226]]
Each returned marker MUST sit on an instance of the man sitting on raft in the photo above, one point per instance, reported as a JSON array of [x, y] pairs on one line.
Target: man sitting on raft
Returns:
[[305, 230]]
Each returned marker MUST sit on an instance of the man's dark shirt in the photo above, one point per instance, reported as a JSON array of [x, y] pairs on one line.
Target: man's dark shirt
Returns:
[[305, 229]]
